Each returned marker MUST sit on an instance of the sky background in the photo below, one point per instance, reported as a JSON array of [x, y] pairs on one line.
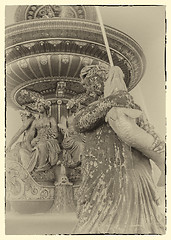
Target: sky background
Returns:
[[146, 24]]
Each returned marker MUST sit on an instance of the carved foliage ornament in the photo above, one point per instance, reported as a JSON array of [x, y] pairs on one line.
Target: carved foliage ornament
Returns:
[[52, 11]]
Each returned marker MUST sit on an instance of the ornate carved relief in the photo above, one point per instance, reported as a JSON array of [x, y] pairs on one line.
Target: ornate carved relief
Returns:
[[21, 186], [65, 59], [46, 11], [64, 47], [28, 12], [52, 11]]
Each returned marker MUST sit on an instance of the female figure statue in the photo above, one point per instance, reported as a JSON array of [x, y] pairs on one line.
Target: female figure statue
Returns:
[[117, 194], [23, 149], [73, 145], [45, 144], [73, 142], [40, 149]]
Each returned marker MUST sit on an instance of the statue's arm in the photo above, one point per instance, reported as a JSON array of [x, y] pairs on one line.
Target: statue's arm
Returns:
[[27, 123], [94, 114], [143, 123]]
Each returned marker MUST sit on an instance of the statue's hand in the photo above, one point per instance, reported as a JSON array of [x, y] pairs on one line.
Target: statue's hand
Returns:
[[160, 148], [113, 114], [114, 82], [70, 104]]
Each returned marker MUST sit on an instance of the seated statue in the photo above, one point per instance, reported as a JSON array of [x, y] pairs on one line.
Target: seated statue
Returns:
[[39, 150], [73, 145], [45, 144], [23, 149]]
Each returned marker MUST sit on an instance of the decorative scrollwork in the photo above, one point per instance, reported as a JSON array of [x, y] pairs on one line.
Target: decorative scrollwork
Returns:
[[34, 191], [21, 185], [44, 194], [15, 188]]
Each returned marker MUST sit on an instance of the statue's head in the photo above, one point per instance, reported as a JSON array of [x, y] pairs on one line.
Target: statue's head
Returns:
[[42, 105], [93, 78], [35, 102]]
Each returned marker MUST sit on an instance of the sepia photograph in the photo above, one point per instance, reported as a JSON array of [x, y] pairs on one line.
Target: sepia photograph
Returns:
[[85, 127]]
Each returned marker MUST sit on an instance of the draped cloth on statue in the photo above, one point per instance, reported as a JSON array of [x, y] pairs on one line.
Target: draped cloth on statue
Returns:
[[117, 194], [73, 144], [43, 155], [45, 152]]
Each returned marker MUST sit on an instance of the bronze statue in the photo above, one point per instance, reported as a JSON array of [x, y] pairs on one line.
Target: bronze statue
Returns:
[[117, 194]]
